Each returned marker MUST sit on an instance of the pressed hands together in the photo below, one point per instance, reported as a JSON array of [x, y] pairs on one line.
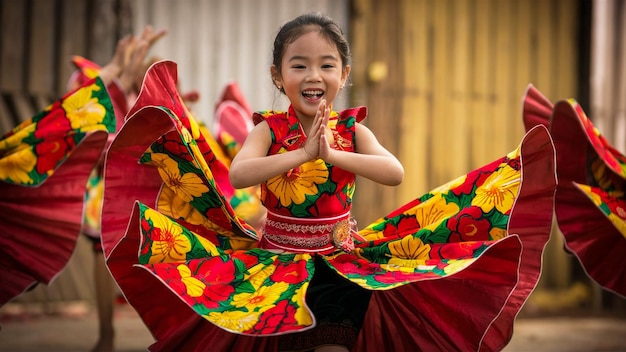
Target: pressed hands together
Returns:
[[368, 161]]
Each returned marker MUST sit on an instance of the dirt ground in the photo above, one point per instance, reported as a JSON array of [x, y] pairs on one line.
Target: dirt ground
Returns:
[[74, 329]]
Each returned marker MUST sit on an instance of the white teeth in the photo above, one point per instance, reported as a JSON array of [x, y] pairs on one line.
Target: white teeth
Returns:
[[313, 92]]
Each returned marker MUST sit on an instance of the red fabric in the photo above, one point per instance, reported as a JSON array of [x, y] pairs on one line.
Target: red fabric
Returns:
[[232, 114], [531, 219], [537, 109], [598, 245], [442, 316], [437, 315], [159, 89], [589, 234], [473, 309], [40, 225], [173, 324]]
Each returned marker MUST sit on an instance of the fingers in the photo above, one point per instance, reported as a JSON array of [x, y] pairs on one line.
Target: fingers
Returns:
[[134, 66], [151, 36]]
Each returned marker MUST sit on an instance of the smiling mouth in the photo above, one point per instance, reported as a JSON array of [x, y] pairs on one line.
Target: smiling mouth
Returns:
[[313, 94]]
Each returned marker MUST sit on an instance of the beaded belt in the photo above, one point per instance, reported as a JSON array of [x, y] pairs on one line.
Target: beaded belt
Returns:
[[301, 234]]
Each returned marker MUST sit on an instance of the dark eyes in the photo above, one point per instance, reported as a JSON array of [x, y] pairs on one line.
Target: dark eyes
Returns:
[[302, 67]]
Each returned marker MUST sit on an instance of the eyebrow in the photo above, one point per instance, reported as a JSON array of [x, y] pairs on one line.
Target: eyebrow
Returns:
[[325, 57]]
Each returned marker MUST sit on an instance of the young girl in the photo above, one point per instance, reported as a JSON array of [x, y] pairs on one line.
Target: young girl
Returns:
[[302, 150], [449, 270]]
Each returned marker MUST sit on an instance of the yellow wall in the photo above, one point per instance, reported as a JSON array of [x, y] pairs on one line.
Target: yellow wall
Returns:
[[456, 71]]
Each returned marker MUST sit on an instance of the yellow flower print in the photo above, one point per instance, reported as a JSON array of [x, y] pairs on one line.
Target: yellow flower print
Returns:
[[303, 317], [433, 211], [236, 321], [17, 166], [172, 245], [263, 297], [14, 141], [402, 265], [499, 190], [195, 287], [187, 186], [294, 186], [83, 111], [169, 203], [259, 273], [409, 248], [454, 266], [497, 233], [157, 159]]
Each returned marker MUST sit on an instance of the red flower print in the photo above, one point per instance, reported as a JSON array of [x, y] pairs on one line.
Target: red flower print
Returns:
[[469, 225], [213, 271], [291, 273], [281, 317], [327, 200], [173, 145], [390, 231], [347, 265], [454, 250], [145, 225], [408, 226], [214, 294], [52, 124], [248, 259], [51, 152]]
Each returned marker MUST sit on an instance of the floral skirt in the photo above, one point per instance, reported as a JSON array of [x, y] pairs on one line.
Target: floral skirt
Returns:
[[449, 270], [45, 163], [590, 203]]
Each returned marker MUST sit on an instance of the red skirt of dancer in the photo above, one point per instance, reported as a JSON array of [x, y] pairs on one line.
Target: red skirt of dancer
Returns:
[[45, 163], [449, 270], [590, 204]]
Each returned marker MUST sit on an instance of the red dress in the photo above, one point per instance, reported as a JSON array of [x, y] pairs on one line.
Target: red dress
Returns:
[[45, 163], [590, 204], [449, 270]]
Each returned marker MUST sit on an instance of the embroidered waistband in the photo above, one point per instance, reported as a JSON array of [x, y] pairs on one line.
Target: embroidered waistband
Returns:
[[301, 234]]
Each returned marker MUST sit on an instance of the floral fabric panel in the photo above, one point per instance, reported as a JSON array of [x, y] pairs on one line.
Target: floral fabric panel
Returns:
[[611, 205], [606, 168], [249, 292], [438, 234], [189, 193], [31, 152], [615, 160], [93, 203], [246, 202]]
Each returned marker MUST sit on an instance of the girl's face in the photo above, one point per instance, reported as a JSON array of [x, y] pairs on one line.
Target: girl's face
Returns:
[[311, 71]]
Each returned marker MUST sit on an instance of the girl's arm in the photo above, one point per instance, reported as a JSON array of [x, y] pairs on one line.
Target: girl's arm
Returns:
[[371, 159], [252, 166]]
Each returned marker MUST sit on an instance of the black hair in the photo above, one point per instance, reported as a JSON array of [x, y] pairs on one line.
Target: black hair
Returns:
[[306, 23]]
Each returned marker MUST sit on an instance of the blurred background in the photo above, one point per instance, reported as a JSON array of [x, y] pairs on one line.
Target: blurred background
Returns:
[[443, 81]]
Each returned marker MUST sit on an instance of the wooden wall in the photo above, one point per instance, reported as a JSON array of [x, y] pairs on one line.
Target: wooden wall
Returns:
[[38, 40], [444, 79], [215, 42]]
